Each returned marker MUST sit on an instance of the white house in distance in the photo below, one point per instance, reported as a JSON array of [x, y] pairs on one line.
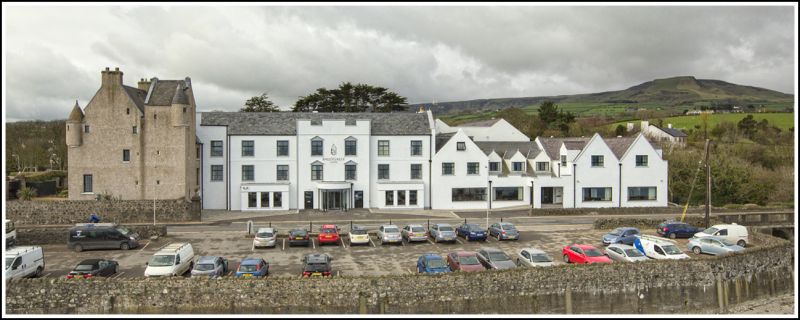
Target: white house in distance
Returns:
[[337, 161], [667, 135]]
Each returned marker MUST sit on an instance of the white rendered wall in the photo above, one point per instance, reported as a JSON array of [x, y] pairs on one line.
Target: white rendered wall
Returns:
[[655, 174], [212, 193], [399, 161], [596, 177], [443, 184], [265, 160]]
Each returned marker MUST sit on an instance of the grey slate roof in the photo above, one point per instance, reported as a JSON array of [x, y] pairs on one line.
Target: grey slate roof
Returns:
[[619, 145], [482, 123], [163, 92], [552, 145], [137, 96], [285, 123], [673, 132], [180, 96], [76, 114], [507, 149], [573, 144], [442, 139]]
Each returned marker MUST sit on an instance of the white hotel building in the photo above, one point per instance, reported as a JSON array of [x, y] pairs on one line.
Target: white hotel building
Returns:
[[337, 161]]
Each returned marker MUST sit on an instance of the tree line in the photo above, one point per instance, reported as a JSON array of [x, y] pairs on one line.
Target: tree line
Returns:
[[347, 97]]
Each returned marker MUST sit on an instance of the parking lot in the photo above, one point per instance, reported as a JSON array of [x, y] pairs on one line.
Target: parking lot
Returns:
[[370, 259]]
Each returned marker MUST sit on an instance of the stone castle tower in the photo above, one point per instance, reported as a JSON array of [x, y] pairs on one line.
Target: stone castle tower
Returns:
[[134, 143]]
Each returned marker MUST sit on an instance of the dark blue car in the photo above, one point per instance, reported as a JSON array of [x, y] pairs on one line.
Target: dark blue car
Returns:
[[252, 267], [432, 263], [622, 235], [471, 231], [675, 229]]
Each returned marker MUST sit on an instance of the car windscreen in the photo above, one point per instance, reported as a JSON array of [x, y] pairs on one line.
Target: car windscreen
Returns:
[[124, 231], [593, 252], [390, 230], [298, 232], [264, 235], [671, 249], [541, 257], [436, 264], [616, 232], [162, 260], [498, 256], [9, 261], [633, 253], [358, 231], [328, 230], [445, 228], [473, 227], [508, 227], [247, 268], [204, 267], [84, 267], [710, 230], [468, 261], [417, 229]]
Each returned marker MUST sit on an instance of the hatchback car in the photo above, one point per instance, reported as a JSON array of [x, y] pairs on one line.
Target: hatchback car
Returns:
[[210, 266], [329, 233], [464, 261], [674, 229], [504, 230], [265, 237], [471, 231], [493, 258], [414, 232], [532, 257], [714, 246], [358, 235], [253, 267], [299, 236], [583, 253], [621, 235], [317, 265], [624, 252], [431, 263], [93, 268], [389, 233], [442, 232]]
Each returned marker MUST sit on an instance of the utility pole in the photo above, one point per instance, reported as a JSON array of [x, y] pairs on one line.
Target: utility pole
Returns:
[[708, 182]]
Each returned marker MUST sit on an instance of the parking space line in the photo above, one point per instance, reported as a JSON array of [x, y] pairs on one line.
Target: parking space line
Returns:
[[431, 242], [283, 247], [45, 276], [313, 245], [118, 275], [409, 271], [342, 241], [253, 246], [372, 243], [403, 242], [459, 241], [145, 246]]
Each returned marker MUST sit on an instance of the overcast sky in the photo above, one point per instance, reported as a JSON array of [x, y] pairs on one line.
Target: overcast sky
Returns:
[[54, 55]]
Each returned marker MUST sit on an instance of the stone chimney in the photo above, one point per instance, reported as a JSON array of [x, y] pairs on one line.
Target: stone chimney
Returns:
[[144, 84], [111, 78], [645, 124], [629, 126], [669, 125]]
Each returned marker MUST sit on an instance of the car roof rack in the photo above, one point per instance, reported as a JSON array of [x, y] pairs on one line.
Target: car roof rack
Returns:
[[655, 239], [175, 246], [105, 224]]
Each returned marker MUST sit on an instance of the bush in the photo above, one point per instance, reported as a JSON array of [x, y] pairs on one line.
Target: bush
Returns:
[[63, 193], [733, 206], [26, 193]]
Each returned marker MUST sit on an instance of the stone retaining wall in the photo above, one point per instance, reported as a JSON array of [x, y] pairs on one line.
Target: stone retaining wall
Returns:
[[663, 287], [59, 235], [120, 211]]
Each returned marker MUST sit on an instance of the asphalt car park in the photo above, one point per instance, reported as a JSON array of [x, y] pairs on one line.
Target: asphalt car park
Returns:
[[368, 259]]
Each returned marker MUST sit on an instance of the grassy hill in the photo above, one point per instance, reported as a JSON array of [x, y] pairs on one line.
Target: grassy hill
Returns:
[[780, 120]]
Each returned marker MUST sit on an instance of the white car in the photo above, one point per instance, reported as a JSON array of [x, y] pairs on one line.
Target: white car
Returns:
[[174, 259], [23, 262], [624, 252], [658, 248], [733, 233], [532, 257], [265, 237], [389, 233], [358, 235]]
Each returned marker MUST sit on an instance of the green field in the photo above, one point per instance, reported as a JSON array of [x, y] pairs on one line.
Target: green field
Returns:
[[780, 120]]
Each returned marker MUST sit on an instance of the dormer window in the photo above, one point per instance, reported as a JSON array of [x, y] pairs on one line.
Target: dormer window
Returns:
[[563, 161], [461, 146]]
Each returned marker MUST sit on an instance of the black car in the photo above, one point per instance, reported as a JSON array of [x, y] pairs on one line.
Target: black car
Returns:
[[94, 268], [87, 236], [317, 265], [675, 229], [299, 236]]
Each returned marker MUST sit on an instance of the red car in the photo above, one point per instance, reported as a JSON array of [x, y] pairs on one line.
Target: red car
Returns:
[[329, 233], [583, 253], [464, 261]]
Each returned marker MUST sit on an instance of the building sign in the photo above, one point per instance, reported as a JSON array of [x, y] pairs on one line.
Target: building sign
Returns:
[[333, 157]]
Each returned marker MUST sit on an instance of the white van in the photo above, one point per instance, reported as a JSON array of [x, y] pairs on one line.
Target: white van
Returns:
[[174, 259], [22, 262], [732, 232], [658, 248]]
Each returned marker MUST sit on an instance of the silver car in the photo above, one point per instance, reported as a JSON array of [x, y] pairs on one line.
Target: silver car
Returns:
[[713, 245], [414, 232], [493, 258], [389, 233], [532, 257], [624, 252], [443, 232], [210, 266], [265, 237]]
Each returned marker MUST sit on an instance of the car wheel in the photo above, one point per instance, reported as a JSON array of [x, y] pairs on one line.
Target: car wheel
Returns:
[[697, 250], [38, 272], [672, 235], [78, 248], [566, 258], [741, 243], [116, 269], [124, 246]]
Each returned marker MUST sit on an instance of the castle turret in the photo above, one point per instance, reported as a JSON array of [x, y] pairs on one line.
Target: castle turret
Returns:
[[75, 127], [180, 107]]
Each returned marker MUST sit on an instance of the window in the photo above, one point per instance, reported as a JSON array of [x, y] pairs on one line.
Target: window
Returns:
[[641, 160], [184, 109], [461, 146], [383, 147], [316, 172], [508, 194], [659, 250], [86, 128], [641, 193], [277, 199], [252, 198], [283, 148], [216, 173], [216, 148], [316, 147], [155, 116], [389, 198], [596, 194], [518, 166], [126, 155], [282, 173], [416, 171], [248, 172], [247, 148], [542, 166], [472, 167], [197, 152], [350, 147], [563, 161], [412, 197], [383, 171], [597, 161], [264, 199], [87, 183], [469, 194], [349, 172], [135, 130], [447, 168], [401, 197], [127, 110], [416, 147], [494, 166]]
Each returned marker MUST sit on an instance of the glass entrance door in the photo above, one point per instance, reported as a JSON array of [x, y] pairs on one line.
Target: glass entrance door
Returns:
[[334, 199]]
